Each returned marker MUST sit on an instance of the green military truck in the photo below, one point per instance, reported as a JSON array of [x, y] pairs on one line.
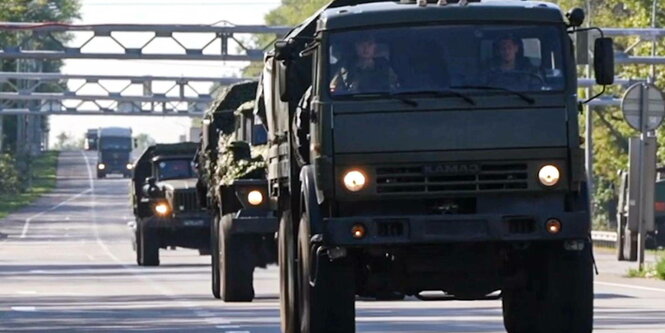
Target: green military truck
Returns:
[[165, 203], [233, 187], [430, 149]]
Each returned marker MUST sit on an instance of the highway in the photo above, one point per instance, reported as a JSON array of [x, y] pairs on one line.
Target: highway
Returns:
[[66, 264]]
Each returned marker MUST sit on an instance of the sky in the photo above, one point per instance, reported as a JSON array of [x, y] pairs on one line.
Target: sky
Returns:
[[163, 129]]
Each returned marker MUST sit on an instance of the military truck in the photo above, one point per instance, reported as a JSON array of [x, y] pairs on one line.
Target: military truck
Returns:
[[232, 182], [437, 178], [165, 203], [626, 244], [114, 149], [91, 139]]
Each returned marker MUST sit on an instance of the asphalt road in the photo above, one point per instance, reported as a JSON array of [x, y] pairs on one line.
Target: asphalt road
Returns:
[[66, 264]]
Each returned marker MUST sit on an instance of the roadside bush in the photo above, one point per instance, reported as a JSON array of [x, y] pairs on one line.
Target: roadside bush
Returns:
[[9, 177], [660, 268]]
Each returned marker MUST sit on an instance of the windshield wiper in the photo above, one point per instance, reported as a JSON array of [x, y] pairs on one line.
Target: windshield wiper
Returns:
[[440, 93], [516, 93], [404, 100]]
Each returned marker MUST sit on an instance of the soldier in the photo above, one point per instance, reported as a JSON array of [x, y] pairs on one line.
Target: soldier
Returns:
[[510, 68], [365, 72]]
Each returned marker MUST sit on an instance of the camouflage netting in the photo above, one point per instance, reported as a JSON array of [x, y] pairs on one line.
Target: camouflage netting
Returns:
[[221, 114], [237, 162]]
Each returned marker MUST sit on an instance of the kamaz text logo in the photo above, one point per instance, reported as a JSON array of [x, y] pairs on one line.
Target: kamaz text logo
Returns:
[[451, 169]]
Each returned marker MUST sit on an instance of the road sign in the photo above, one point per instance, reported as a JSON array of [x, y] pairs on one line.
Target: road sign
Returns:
[[643, 100]]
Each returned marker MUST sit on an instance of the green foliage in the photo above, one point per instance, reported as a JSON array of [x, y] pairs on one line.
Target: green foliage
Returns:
[[44, 179], [611, 132], [9, 177], [660, 268]]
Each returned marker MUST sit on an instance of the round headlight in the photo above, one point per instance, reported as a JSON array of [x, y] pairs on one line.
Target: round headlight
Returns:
[[130, 166], [162, 209], [549, 175], [354, 180], [101, 166], [255, 197]]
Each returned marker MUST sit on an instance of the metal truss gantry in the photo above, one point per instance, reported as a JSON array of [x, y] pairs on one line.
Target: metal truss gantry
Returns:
[[194, 42], [105, 94]]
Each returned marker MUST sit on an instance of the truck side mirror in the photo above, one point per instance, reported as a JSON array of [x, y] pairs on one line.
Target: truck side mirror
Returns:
[[603, 60], [283, 50], [150, 181], [283, 82]]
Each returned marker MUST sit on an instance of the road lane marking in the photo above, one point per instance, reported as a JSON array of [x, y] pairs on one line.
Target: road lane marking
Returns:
[[26, 225], [24, 308], [610, 284], [133, 270]]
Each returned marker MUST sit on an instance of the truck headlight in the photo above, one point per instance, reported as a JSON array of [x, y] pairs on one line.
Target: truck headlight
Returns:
[[101, 166], [162, 208], [130, 166], [549, 175], [354, 180], [255, 198]]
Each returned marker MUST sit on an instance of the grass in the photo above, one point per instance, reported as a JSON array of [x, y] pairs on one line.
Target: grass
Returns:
[[44, 171], [656, 271]]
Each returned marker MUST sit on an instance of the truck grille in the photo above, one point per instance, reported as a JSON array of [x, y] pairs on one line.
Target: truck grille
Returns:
[[479, 177], [185, 201]]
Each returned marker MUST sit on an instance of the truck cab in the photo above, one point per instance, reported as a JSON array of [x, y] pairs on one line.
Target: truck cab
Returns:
[[422, 147], [165, 203], [114, 149]]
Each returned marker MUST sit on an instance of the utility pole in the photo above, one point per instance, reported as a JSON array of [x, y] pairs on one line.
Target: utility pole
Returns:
[[588, 142]]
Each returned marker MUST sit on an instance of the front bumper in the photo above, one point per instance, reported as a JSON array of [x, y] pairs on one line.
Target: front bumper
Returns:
[[248, 222], [428, 229], [180, 222]]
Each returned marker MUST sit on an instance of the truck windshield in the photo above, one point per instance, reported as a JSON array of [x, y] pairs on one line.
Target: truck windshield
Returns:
[[525, 58], [115, 143], [175, 169]]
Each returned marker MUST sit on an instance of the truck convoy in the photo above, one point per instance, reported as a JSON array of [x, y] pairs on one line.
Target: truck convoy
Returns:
[[424, 148], [114, 149], [165, 204], [233, 187]]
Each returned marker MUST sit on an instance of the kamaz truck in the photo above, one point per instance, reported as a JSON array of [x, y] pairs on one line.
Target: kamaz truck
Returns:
[[431, 149], [114, 149], [233, 187]]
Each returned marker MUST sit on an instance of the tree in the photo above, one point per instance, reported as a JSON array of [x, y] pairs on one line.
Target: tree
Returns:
[[611, 132], [64, 11], [144, 141]]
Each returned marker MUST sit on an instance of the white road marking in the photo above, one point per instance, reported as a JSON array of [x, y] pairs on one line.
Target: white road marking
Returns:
[[26, 292], [610, 284], [24, 308], [26, 226], [227, 326], [164, 291]]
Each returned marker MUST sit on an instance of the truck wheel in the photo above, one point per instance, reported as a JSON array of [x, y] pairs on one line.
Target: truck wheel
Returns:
[[621, 235], [288, 310], [326, 288], [558, 293], [214, 245], [139, 249], [630, 245], [236, 262], [149, 246]]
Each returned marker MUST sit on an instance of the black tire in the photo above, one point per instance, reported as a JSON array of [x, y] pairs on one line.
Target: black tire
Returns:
[[214, 245], [139, 245], [149, 246], [630, 245], [236, 262], [326, 288], [288, 309], [621, 235], [557, 296]]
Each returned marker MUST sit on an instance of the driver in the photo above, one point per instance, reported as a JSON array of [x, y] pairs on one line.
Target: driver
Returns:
[[366, 71], [510, 69]]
